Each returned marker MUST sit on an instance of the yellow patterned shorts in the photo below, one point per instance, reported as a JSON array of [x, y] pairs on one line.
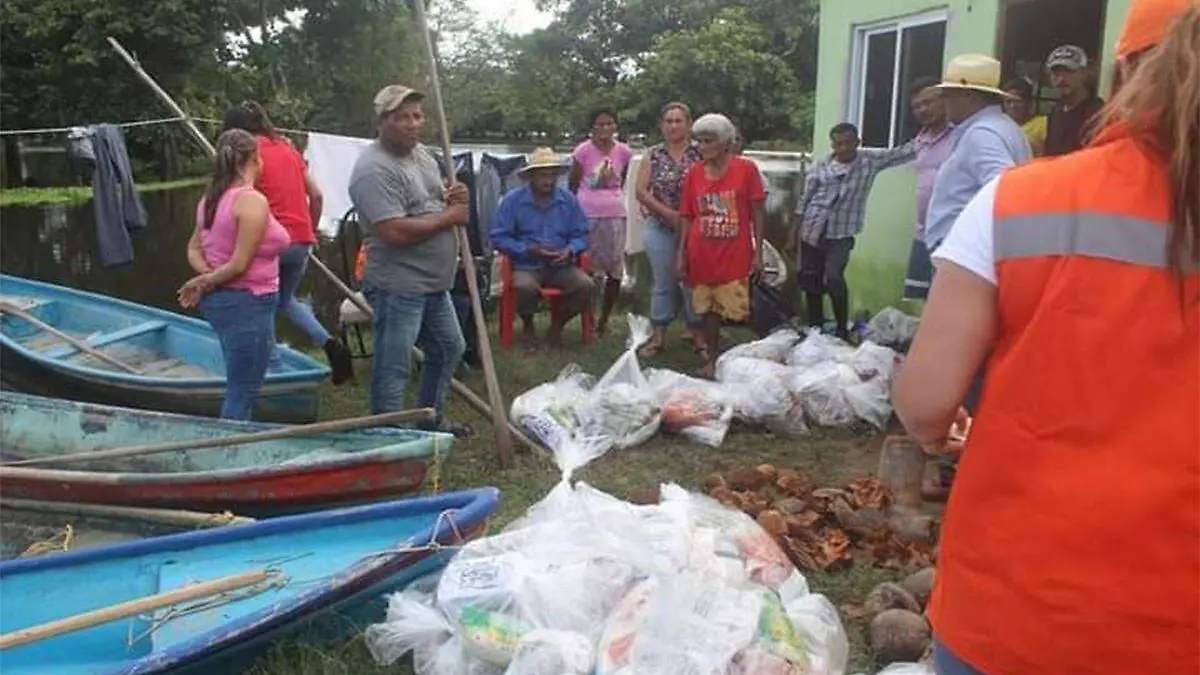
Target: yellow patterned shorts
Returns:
[[730, 301]]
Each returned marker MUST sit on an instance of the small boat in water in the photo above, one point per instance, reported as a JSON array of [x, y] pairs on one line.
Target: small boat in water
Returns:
[[31, 527], [171, 362], [320, 571], [289, 474]]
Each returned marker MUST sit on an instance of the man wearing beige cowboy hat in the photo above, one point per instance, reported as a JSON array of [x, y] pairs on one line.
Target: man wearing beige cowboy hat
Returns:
[[543, 230], [986, 142]]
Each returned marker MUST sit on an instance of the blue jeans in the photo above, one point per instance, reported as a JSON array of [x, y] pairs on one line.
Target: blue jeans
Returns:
[[662, 246], [402, 321], [245, 325], [946, 663], [292, 263]]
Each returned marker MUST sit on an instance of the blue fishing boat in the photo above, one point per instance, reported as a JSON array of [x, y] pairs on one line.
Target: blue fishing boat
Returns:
[[137, 356], [317, 571]]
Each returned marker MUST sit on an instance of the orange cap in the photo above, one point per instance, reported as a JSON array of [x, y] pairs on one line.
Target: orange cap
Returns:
[[1147, 23]]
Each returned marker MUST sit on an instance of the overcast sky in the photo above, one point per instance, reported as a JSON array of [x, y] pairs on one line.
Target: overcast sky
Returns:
[[519, 16]]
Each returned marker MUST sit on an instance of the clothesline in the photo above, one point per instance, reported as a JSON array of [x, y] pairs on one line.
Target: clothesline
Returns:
[[63, 130], [295, 132]]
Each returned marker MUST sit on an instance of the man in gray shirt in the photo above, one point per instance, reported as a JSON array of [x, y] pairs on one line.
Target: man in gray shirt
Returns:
[[409, 216]]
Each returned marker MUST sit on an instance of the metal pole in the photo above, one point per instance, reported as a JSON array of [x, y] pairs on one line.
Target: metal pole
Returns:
[[499, 422]]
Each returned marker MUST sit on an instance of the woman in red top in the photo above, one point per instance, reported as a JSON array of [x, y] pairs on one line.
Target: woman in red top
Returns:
[[296, 203], [723, 198]]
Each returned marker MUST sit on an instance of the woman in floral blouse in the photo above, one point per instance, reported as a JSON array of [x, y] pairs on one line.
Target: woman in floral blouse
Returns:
[[659, 187]]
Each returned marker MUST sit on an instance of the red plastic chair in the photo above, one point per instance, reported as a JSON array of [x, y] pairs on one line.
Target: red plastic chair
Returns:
[[552, 296]]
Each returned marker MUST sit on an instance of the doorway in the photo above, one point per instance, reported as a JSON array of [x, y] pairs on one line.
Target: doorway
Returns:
[[1030, 29]]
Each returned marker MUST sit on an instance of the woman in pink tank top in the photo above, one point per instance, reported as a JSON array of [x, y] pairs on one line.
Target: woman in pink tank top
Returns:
[[235, 249]]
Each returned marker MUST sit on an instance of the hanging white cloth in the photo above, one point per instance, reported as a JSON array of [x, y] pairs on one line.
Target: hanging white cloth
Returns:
[[330, 161]]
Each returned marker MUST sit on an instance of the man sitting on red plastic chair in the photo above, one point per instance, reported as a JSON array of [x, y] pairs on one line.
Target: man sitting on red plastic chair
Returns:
[[542, 230]]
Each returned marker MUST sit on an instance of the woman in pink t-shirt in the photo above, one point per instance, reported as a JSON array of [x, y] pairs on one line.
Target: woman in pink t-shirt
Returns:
[[234, 250], [598, 172]]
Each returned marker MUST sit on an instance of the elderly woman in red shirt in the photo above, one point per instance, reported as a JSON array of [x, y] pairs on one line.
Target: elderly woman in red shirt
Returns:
[[722, 216]]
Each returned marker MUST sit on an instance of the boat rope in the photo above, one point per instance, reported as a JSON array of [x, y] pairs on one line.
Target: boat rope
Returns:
[[63, 130], [276, 579], [435, 471], [59, 542]]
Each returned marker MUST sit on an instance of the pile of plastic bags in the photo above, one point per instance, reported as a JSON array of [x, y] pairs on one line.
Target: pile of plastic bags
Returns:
[[587, 584], [786, 382], [892, 328]]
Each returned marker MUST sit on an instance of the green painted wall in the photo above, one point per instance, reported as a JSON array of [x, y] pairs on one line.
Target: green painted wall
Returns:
[[876, 273]]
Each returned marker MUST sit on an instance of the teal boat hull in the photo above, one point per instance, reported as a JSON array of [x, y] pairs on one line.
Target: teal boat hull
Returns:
[[330, 569], [180, 356]]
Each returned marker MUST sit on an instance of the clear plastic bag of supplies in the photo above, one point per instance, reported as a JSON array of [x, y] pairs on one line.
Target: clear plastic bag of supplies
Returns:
[[552, 652], [871, 401], [817, 348], [696, 409], [892, 328], [414, 625], [872, 360], [907, 669], [693, 627], [820, 632], [759, 393], [774, 347], [548, 410], [822, 390], [621, 405]]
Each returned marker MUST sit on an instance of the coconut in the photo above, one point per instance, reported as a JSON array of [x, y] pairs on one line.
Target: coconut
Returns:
[[887, 596], [920, 585], [898, 635]]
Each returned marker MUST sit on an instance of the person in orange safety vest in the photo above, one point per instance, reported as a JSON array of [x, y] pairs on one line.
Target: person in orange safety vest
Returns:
[[1071, 543]]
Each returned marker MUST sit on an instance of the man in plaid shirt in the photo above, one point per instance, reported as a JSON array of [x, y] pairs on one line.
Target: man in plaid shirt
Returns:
[[830, 216]]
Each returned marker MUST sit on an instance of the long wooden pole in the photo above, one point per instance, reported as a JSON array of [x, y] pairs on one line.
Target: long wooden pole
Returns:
[[75, 342], [124, 610], [496, 411], [188, 122], [295, 431], [499, 420], [459, 388], [174, 517]]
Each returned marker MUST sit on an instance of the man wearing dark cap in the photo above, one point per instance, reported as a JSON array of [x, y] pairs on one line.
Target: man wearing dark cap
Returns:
[[408, 215], [1070, 121]]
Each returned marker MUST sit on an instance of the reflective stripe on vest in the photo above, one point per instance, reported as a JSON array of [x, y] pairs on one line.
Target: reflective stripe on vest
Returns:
[[1129, 239]]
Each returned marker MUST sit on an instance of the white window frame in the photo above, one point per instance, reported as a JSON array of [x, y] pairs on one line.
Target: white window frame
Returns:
[[858, 60]]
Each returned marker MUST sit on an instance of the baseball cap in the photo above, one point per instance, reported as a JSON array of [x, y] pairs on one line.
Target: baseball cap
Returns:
[[393, 96], [1067, 56], [1146, 24]]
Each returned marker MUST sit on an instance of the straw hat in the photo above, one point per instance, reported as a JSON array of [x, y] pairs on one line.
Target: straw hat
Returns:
[[976, 72], [542, 158]]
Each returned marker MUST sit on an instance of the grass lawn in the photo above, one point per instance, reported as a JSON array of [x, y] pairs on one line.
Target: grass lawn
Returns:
[[831, 459], [78, 194]]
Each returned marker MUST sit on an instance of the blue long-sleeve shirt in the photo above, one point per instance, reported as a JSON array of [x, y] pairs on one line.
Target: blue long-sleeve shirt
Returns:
[[986, 144], [521, 222]]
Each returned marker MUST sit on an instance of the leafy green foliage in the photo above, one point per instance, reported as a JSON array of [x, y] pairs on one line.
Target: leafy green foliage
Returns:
[[317, 63], [725, 66]]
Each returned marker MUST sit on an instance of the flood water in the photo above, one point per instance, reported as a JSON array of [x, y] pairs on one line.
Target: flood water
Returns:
[[57, 244]]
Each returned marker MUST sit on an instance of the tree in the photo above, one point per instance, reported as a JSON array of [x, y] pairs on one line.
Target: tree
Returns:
[[726, 66]]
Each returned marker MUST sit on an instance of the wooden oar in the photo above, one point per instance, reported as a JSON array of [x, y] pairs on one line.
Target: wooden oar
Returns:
[[295, 431], [197, 519], [75, 342], [124, 610]]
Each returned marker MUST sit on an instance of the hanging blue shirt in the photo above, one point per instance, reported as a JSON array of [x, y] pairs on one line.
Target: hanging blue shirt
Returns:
[[521, 221]]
